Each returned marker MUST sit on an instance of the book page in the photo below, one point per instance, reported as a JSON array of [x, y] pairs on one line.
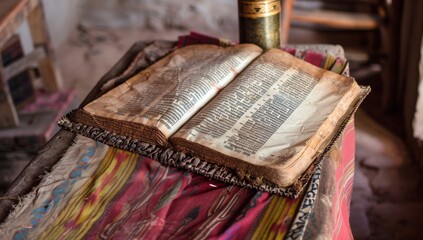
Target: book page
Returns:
[[171, 91], [278, 107]]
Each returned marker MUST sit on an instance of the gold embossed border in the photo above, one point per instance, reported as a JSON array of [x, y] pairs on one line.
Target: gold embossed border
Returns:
[[258, 9]]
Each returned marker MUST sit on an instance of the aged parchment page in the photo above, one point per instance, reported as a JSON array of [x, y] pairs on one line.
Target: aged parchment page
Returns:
[[273, 120], [171, 91]]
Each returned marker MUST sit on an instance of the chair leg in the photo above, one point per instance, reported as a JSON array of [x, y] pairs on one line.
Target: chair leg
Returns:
[[8, 116], [286, 20], [48, 70]]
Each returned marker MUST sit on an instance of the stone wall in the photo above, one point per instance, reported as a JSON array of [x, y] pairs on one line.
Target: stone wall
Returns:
[[217, 17]]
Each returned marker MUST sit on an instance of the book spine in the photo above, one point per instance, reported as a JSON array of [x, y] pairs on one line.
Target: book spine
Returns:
[[259, 22]]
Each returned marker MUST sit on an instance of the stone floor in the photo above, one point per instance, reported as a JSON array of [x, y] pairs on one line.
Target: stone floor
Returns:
[[387, 195], [388, 189]]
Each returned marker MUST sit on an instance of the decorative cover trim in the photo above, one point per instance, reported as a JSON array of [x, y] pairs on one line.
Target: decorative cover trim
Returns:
[[258, 9]]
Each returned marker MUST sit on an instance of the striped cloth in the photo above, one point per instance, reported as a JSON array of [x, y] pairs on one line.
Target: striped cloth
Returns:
[[100, 192], [329, 218], [96, 191]]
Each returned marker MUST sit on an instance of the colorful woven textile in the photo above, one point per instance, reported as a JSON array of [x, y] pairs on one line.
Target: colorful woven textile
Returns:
[[47, 200], [329, 218], [104, 192], [96, 191]]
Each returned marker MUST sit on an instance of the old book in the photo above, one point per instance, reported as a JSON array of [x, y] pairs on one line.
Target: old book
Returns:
[[275, 115]]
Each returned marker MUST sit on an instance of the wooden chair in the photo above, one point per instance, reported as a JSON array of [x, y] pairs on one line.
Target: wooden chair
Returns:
[[12, 15], [354, 15]]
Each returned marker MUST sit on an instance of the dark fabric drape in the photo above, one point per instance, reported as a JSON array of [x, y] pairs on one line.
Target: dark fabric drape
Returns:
[[408, 74]]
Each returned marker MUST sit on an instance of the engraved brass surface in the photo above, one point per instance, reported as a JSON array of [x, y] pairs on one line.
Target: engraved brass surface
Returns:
[[258, 9], [259, 22]]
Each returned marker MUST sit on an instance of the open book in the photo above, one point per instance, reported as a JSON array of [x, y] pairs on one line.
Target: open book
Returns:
[[266, 115]]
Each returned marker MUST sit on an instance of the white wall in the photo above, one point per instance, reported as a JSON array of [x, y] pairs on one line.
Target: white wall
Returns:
[[217, 17], [61, 16]]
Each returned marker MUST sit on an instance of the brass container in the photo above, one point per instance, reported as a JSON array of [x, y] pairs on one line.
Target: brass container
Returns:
[[259, 22]]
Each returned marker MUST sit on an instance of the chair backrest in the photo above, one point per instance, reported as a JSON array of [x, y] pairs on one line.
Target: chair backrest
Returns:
[[342, 14]]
